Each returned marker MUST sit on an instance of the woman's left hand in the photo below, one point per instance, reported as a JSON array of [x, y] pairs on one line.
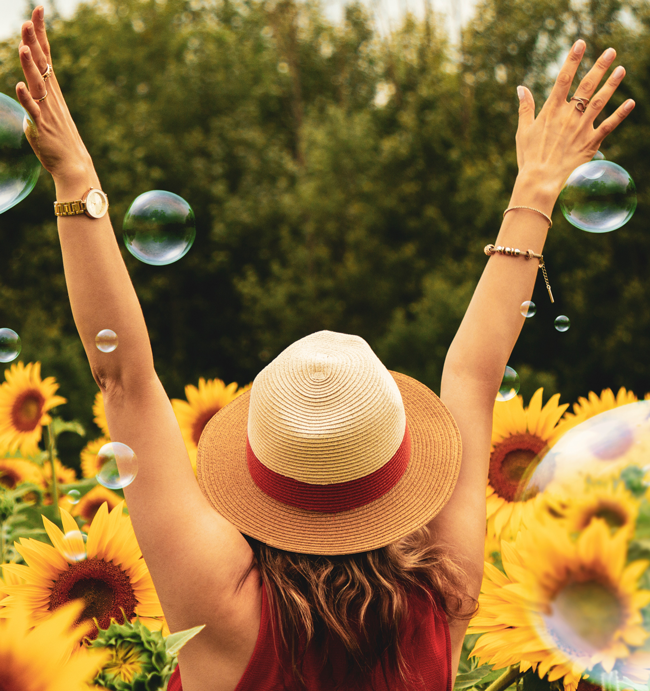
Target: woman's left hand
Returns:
[[52, 132]]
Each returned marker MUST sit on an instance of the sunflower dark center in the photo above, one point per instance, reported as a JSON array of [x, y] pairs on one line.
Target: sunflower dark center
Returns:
[[105, 588], [90, 508], [9, 478], [584, 617], [613, 515], [512, 460], [201, 422], [27, 410]]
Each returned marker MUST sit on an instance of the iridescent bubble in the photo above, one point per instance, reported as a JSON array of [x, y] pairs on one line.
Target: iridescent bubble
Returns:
[[106, 341], [74, 495], [9, 344], [598, 197], [592, 496], [19, 167], [119, 465], [74, 545], [159, 228], [528, 309], [562, 323], [509, 385], [599, 156]]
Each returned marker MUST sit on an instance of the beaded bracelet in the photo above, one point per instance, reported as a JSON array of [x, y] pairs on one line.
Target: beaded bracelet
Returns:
[[527, 254]]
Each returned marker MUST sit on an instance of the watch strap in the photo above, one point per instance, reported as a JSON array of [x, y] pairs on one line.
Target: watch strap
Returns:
[[69, 208]]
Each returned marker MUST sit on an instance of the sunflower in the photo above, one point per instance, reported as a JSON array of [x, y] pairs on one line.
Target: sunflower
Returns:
[[15, 471], [100, 414], [610, 501], [9, 579], [92, 501], [519, 436], [202, 403], [90, 464], [112, 579], [25, 400], [38, 659], [579, 606], [64, 475], [593, 405]]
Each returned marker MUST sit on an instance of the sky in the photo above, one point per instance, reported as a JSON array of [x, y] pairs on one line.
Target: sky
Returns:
[[12, 12]]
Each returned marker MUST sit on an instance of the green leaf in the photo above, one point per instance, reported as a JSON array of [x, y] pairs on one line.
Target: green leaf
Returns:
[[58, 425], [175, 641], [469, 679]]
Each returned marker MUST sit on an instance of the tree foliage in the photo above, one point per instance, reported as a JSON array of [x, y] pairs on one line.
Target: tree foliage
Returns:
[[341, 178]]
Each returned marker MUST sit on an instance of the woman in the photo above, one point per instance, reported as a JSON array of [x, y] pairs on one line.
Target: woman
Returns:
[[336, 538]]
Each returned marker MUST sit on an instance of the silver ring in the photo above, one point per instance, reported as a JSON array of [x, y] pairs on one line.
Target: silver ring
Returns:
[[581, 103], [48, 72], [39, 100]]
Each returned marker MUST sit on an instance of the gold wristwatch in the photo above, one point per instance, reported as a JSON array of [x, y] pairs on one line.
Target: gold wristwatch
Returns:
[[94, 204]]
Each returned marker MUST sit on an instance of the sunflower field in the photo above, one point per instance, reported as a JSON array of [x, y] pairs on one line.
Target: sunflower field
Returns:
[[565, 603]]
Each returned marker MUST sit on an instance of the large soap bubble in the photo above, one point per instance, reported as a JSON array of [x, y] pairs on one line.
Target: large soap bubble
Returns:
[[19, 167], [159, 228], [598, 197], [591, 494], [118, 465], [509, 385]]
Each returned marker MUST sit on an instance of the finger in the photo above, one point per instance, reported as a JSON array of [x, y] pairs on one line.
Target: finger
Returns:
[[38, 18], [35, 82], [564, 79], [595, 75], [30, 40], [602, 97], [526, 109], [27, 102], [613, 121]]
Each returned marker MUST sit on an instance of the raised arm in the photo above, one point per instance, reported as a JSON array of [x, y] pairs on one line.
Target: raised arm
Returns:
[[549, 147], [138, 410]]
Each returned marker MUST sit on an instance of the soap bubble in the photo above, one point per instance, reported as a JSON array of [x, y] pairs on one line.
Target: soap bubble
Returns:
[[9, 344], [74, 545], [106, 341], [599, 156], [509, 385], [528, 309], [598, 197], [562, 323], [119, 465], [159, 228], [19, 167], [74, 495], [591, 493]]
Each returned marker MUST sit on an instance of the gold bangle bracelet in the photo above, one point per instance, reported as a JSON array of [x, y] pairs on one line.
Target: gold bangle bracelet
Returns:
[[530, 208]]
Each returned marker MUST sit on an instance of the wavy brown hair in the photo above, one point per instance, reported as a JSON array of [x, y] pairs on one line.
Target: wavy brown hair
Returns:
[[359, 599]]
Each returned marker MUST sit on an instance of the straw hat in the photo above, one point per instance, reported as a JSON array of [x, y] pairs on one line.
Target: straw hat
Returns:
[[329, 452]]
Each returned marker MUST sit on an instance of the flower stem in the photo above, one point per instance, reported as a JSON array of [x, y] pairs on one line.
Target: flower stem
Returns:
[[506, 679], [2, 545], [55, 487]]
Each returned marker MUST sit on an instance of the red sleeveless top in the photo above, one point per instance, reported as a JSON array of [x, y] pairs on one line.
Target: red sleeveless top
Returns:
[[425, 644]]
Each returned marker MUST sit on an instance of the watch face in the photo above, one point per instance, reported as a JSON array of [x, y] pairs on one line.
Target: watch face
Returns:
[[96, 203]]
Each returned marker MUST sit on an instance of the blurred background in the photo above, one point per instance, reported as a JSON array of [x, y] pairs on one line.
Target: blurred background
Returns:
[[346, 164]]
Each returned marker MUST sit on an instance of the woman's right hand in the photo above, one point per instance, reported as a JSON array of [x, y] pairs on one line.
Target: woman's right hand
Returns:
[[52, 133]]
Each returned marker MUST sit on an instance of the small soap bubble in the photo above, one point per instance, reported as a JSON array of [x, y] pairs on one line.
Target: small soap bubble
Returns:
[[9, 344], [74, 545], [598, 156], [598, 197], [106, 341], [562, 323], [19, 167], [528, 308], [509, 385], [119, 465], [74, 495], [159, 228]]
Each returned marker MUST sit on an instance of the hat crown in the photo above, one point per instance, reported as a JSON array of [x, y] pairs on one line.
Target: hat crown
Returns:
[[325, 411]]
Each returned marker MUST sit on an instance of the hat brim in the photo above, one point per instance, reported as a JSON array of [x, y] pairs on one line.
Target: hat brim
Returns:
[[420, 494]]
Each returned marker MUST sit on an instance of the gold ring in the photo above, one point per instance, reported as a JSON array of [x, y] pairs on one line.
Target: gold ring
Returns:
[[581, 104], [39, 100], [48, 72]]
